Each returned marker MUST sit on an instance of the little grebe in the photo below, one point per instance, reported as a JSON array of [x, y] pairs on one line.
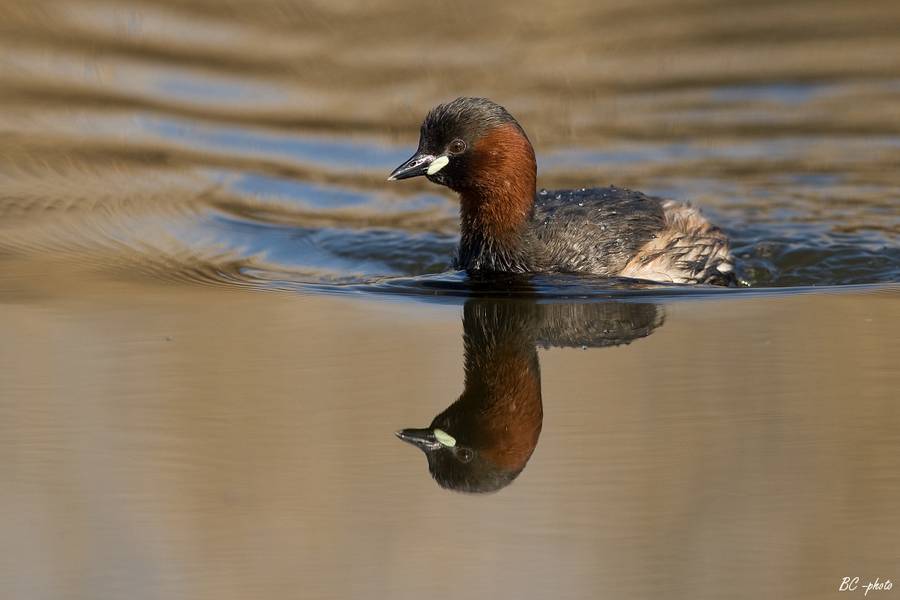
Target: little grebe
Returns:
[[476, 148]]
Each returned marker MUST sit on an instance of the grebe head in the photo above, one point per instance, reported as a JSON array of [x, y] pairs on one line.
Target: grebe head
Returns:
[[469, 459], [471, 143]]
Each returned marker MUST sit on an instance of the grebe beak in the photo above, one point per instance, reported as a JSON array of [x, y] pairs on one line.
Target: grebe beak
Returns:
[[423, 439], [419, 164]]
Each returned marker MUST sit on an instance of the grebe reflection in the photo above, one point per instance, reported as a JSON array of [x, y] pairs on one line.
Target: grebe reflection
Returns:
[[481, 442]]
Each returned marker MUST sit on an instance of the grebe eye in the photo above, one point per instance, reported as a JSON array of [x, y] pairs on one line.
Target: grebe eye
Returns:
[[457, 147], [465, 455]]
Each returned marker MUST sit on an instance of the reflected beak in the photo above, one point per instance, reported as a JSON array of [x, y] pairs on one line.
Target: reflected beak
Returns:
[[423, 439], [414, 167]]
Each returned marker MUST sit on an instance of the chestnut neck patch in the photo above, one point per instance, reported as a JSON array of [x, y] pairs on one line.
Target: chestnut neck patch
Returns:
[[497, 200]]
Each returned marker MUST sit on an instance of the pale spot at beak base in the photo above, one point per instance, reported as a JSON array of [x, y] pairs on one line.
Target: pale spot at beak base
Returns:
[[444, 438], [437, 164]]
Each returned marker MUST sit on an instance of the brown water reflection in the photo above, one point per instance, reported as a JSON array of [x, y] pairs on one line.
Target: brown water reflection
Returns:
[[196, 443]]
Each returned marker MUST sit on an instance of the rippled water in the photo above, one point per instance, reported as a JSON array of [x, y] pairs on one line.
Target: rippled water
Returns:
[[212, 309], [249, 144]]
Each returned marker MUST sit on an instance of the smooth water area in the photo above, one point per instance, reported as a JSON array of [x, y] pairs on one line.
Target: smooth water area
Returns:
[[215, 312]]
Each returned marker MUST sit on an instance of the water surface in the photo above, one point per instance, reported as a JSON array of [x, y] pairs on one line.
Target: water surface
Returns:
[[215, 312]]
